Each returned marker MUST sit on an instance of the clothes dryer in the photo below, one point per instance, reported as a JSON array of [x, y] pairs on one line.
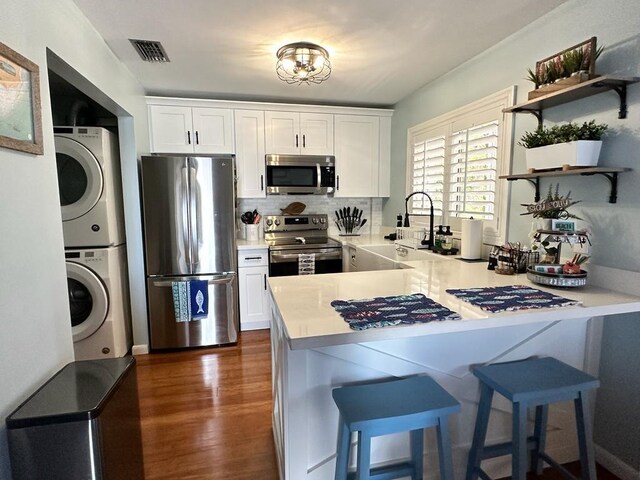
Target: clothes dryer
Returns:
[[90, 187], [99, 302]]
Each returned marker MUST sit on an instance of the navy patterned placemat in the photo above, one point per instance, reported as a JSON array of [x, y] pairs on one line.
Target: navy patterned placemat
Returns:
[[512, 297], [395, 310]]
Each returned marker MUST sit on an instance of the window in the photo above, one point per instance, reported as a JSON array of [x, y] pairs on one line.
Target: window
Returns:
[[457, 158]]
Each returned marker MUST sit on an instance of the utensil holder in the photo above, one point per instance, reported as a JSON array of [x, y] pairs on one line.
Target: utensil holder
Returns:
[[253, 232]]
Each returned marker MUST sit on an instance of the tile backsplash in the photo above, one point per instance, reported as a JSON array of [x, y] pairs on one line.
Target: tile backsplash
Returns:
[[271, 205]]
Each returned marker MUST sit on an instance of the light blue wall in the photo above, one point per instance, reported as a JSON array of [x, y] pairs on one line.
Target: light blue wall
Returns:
[[616, 228]]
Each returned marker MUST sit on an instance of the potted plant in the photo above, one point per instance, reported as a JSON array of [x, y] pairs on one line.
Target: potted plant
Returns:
[[570, 144], [552, 207]]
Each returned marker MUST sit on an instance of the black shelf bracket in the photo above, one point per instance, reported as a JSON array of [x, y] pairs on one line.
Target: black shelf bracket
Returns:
[[537, 114], [621, 90], [613, 180], [533, 181]]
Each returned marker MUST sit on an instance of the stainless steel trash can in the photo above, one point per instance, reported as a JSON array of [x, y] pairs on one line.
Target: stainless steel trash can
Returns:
[[84, 423]]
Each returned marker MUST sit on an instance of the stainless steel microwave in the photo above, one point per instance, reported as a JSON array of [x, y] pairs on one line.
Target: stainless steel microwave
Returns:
[[301, 174]]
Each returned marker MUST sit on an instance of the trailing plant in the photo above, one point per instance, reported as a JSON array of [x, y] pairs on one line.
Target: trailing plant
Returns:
[[569, 132]]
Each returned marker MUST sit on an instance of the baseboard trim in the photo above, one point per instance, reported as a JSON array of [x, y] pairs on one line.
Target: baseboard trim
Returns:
[[615, 465], [140, 350]]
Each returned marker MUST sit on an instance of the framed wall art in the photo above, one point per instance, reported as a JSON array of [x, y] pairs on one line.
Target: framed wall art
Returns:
[[20, 119]]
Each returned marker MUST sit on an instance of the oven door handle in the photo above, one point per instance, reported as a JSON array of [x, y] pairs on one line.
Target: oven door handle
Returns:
[[293, 257]]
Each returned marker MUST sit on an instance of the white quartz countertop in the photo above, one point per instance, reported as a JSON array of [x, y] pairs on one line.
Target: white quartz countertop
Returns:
[[251, 244], [304, 302]]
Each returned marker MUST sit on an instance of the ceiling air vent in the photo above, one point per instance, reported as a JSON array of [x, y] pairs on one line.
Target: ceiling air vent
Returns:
[[150, 51]]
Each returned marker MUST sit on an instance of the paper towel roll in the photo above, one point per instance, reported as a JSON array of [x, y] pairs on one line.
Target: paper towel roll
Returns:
[[471, 239]]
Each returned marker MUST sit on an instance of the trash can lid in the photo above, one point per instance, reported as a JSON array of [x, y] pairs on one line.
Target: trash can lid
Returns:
[[78, 392]]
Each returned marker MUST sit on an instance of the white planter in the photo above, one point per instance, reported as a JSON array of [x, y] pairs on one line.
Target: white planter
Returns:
[[582, 153]]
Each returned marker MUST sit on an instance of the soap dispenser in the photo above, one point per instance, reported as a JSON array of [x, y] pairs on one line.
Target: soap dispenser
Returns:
[[447, 242], [439, 237]]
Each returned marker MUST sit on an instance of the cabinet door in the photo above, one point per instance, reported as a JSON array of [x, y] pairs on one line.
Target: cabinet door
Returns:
[[316, 130], [384, 170], [213, 130], [254, 298], [357, 149], [170, 129], [249, 129], [282, 131]]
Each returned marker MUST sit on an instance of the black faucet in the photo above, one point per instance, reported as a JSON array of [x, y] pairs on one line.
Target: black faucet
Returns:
[[406, 216]]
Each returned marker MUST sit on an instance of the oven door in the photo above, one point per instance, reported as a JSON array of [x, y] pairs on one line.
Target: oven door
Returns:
[[285, 262]]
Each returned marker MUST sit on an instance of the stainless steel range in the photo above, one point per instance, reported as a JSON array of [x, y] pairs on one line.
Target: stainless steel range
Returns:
[[292, 238]]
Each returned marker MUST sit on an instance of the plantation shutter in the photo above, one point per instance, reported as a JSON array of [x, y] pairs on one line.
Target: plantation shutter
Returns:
[[473, 154], [428, 174]]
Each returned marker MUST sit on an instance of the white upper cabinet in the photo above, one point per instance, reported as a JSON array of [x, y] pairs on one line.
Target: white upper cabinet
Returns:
[[357, 149], [175, 129], [250, 166], [293, 133]]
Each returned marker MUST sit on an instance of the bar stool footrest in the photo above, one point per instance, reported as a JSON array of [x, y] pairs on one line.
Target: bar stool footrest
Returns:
[[388, 472], [563, 471], [502, 449]]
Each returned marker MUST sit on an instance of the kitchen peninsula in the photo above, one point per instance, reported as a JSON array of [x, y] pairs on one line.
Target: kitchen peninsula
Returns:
[[314, 351]]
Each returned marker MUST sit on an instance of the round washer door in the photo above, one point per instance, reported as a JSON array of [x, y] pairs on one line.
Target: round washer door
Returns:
[[80, 179], [88, 300]]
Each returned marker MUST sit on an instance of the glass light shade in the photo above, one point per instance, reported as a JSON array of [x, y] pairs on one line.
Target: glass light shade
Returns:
[[303, 63]]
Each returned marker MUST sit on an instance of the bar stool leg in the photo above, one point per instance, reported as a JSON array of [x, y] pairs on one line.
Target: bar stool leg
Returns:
[[342, 455], [480, 432], [444, 449], [519, 458], [417, 453], [364, 456], [585, 439], [540, 434]]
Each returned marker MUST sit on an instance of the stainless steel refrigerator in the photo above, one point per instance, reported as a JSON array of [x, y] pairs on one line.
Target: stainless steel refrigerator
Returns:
[[189, 229]]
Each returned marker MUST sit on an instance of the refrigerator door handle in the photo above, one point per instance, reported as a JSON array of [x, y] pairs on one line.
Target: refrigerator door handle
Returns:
[[195, 215], [211, 281], [186, 221]]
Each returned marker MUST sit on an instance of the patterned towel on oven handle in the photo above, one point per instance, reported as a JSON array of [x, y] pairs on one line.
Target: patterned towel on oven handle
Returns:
[[394, 310], [512, 297]]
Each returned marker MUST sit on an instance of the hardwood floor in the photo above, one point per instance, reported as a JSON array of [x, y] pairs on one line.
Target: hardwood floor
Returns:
[[206, 414]]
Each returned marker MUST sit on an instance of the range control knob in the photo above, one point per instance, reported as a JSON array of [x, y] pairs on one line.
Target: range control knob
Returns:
[[314, 220], [322, 220], [269, 221], [277, 222]]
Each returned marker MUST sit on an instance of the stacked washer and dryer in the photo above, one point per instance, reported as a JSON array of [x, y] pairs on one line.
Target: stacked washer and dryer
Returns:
[[94, 238]]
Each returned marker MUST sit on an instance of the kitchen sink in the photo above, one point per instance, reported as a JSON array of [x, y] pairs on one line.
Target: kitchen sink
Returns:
[[399, 253]]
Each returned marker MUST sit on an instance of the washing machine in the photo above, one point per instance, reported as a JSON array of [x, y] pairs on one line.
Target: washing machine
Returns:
[[99, 302], [90, 186]]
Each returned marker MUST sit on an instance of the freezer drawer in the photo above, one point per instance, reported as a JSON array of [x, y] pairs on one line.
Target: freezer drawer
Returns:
[[219, 328]]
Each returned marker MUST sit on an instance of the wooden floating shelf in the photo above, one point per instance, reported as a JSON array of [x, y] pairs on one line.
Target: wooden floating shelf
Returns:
[[611, 173], [581, 90]]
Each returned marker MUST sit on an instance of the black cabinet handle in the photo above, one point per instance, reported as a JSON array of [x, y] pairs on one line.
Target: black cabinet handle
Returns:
[[197, 138], [265, 281], [304, 141], [296, 140], [262, 183], [338, 182], [189, 138], [253, 258]]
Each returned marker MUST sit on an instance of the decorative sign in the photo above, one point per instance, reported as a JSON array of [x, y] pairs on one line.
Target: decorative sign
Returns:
[[545, 205]]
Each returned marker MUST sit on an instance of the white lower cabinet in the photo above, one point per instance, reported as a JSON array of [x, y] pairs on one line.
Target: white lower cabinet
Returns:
[[253, 271]]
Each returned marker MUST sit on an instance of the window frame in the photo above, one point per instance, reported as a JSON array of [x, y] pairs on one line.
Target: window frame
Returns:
[[481, 111]]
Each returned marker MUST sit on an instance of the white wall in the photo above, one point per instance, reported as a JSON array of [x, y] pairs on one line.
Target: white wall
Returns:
[[35, 331], [615, 227]]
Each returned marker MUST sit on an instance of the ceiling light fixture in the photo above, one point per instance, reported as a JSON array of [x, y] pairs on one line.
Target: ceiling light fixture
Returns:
[[303, 62]]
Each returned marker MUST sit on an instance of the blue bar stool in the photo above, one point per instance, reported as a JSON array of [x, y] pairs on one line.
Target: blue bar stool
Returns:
[[409, 404], [531, 383]]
